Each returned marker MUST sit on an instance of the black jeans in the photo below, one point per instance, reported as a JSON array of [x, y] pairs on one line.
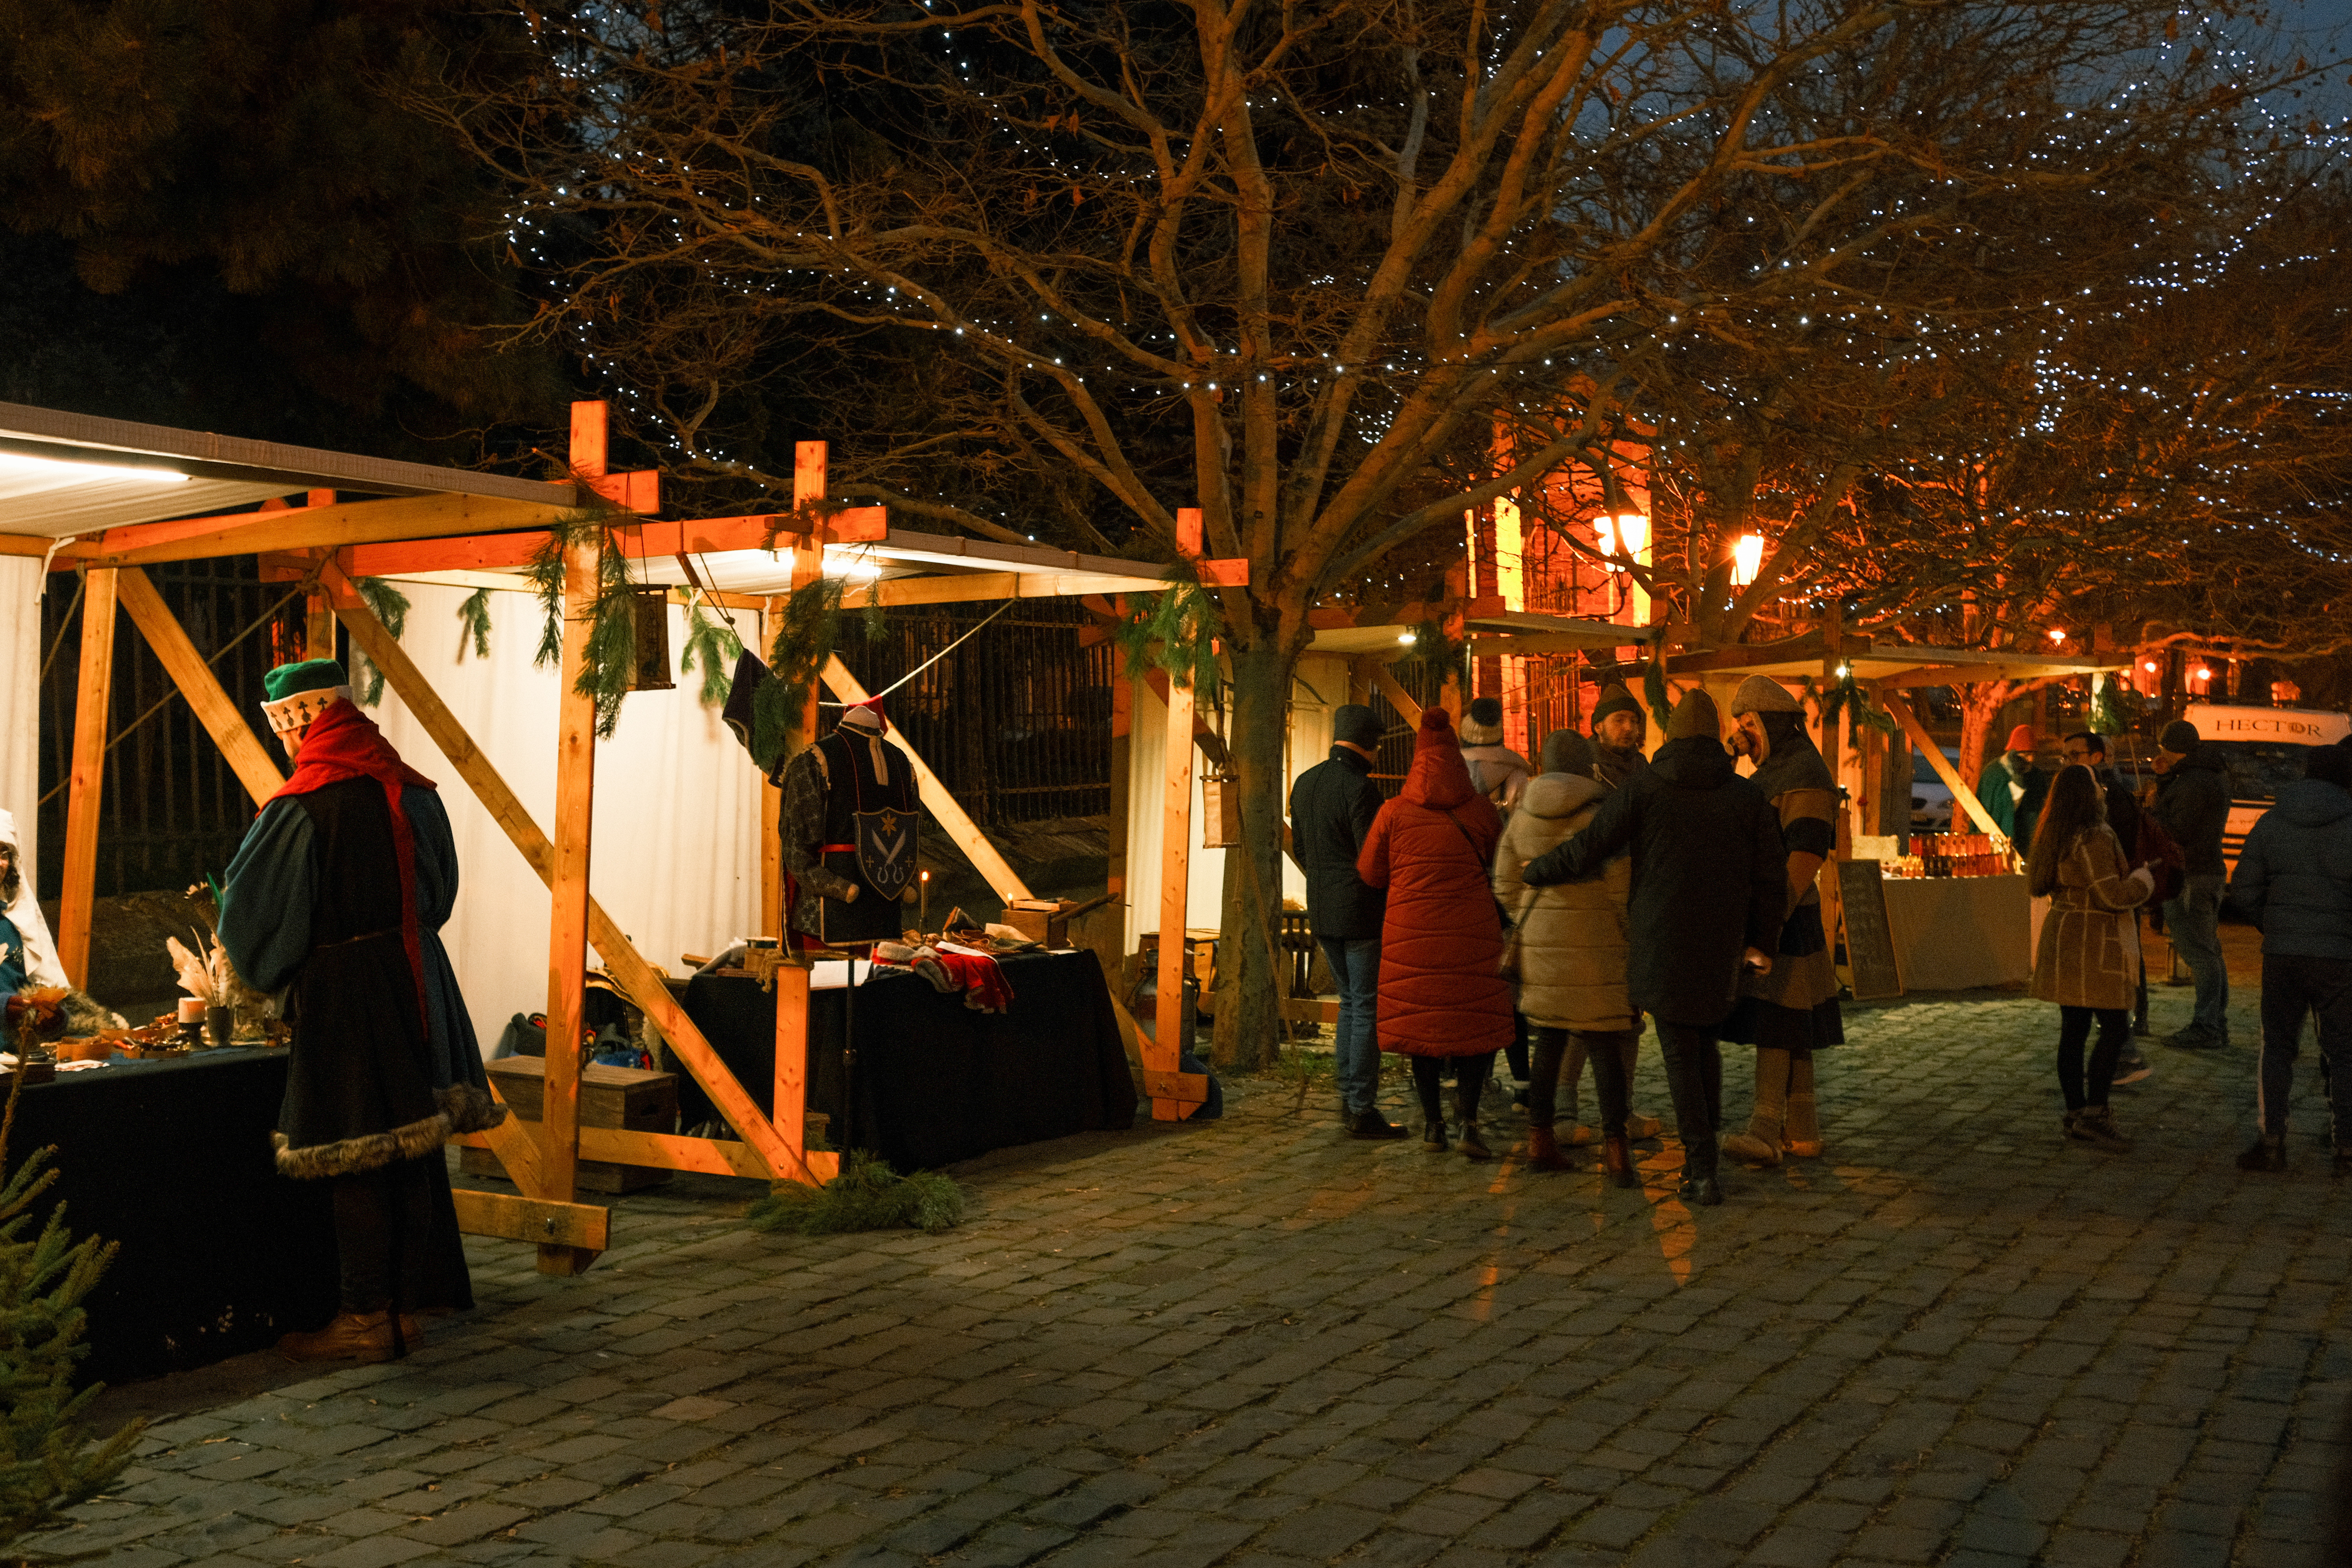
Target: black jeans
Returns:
[[2293, 986], [1469, 1082], [1605, 1048], [1694, 1080], [2073, 1029]]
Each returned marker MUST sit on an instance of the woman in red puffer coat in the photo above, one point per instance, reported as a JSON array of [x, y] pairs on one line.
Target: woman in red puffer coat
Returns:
[[1441, 938]]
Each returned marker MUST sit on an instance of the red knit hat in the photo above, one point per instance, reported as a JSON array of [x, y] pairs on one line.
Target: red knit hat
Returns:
[[2020, 739], [1436, 732]]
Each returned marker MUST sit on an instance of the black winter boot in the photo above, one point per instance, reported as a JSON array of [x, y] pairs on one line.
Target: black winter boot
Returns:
[[2266, 1152]]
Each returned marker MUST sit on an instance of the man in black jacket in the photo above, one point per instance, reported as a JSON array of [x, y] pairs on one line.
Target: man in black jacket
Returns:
[[1710, 885], [1331, 811], [2192, 802]]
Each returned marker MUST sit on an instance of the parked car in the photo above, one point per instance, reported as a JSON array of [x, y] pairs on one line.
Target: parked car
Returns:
[[1931, 798]]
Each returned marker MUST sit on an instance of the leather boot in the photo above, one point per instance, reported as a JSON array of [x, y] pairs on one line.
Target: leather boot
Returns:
[[1433, 1136], [1543, 1151], [1617, 1159], [1802, 1135], [1473, 1146], [1699, 1184], [1760, 1146], [2266, 1152], [352, 1336]]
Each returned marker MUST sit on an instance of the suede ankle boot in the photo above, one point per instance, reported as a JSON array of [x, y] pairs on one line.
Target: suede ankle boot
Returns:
[[1802, 1135], [1543, 1151], [1473, 1146], [1433, 1136], [1617, 1159], [352, 1336], [1760, 1146]]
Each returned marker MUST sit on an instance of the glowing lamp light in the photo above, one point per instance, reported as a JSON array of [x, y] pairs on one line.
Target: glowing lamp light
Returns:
[[2057, 634], [858, 568], [2148, 664], [1746, 559], [51, 471], [2203, 673], [1408, 638]]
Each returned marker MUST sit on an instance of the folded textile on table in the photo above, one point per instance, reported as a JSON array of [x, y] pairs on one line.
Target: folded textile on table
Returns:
[[950, 968]]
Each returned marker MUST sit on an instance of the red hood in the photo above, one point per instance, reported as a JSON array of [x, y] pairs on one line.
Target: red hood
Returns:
[[1438, 777]]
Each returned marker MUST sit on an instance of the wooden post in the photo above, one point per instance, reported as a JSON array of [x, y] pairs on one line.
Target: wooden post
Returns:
[[567, 928], [1160, 1055], [787, 1106], [1122, 756], [1188, 530], [773, 917], [91, 702], [788, 1101], [588, 444], [189, 672]]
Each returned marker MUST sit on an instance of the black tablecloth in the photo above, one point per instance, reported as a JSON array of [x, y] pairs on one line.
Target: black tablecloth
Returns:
[[936, 1082], [219, 1254]]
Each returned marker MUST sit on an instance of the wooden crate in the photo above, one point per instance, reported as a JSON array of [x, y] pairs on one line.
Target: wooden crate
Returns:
[[625, 1097]]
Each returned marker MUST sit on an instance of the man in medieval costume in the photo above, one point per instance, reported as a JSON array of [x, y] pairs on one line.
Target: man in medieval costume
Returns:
[[1791, 1009], [850, 828], [338, 895]]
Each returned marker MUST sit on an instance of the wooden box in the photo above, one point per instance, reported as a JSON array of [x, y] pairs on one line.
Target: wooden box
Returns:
[[628, 1098], [1040, 920]]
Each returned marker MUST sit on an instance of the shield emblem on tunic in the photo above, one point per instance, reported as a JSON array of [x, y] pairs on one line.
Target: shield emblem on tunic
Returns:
[[886, 849]]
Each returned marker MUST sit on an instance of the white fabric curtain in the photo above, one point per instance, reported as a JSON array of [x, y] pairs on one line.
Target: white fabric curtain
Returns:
[[20, 698], [676, 846]]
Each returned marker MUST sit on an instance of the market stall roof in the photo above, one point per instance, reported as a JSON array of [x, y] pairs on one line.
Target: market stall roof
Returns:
[[1486, 628], [1883, 662], [64, 474]]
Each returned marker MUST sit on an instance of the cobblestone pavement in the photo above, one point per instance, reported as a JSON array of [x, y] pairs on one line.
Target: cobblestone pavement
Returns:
[[1954, 1340]]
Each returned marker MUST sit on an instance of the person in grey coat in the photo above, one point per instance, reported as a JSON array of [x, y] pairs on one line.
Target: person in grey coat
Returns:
[[1332, 807], [2192, 804], [2294, 881], [1709, 889]]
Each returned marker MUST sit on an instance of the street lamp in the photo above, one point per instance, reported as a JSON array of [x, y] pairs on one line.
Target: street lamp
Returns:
[[1746, 559]]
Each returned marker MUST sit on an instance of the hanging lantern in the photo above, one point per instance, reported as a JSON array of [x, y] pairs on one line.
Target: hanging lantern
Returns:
[[1220, 811], [651, 606], [1746, 559]]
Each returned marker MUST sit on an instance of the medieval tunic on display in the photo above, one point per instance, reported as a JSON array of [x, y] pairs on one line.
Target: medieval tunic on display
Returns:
[[851, 818], [337, 894], [1794, 1005]]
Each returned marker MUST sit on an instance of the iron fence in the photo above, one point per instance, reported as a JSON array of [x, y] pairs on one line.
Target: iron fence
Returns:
[[1016, 722], [172, 809]]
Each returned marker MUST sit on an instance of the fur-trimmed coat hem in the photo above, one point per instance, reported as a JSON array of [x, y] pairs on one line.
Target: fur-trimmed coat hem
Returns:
[[468, 1108], [350, 1156]]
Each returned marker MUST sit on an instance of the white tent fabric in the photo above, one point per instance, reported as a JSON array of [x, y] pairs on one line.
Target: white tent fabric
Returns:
[[20, 694], [1321, 686], [675, 858]]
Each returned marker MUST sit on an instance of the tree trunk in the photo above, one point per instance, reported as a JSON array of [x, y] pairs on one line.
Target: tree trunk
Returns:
[[1249, 1004], [1980, 706]]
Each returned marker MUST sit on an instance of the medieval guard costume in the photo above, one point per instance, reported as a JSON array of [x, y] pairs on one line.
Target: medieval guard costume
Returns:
[[338, 895], [850, 829], [1791, 1011]]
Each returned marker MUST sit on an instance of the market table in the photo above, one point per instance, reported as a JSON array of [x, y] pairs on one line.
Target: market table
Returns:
[[1957, 933], [218, 1254], [936, 1081]]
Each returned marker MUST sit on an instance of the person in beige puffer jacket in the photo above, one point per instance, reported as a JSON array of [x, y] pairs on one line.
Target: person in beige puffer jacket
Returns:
[[1571, 963]]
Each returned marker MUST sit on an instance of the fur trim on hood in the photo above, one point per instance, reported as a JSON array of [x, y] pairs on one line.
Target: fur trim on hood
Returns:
[[350, 1156]]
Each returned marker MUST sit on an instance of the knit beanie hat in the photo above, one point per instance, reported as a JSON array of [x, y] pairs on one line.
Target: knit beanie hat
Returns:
[[2179, 736], [1356, 724], [1481, 725], [2022, 739], [1613, 699], [1762, 694], [1695, 714], [1566, 752]]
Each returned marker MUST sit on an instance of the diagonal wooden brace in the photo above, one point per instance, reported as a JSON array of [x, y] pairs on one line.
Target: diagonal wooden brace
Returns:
[[620, 958]]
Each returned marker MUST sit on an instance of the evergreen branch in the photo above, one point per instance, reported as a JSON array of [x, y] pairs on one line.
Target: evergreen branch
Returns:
[[474, 615], [715, 647], [391, 608]]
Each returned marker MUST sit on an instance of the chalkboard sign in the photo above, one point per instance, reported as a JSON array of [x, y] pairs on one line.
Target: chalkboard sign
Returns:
[[1869, 941]]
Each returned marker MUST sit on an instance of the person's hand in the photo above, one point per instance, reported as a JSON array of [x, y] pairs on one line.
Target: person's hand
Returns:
[[1754, 959]]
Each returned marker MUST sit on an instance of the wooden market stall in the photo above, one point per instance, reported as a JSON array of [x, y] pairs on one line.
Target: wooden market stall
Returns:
[[109, 499]]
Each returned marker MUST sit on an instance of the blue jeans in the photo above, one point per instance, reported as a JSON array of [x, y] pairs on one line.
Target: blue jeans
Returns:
[[1355, 969], [2193, 922]]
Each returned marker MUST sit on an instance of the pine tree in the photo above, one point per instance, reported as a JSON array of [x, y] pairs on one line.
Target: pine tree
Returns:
[[47, 1463]]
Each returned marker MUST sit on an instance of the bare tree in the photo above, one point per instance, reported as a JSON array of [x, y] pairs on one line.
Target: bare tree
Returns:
[[1290, 264]]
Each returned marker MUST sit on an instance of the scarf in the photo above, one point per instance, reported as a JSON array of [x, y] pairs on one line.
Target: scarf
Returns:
[[343, 743]]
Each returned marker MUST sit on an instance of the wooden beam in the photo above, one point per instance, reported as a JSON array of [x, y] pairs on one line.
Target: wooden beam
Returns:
[[92, 700], [1900, 706], [952, 816], [567, 926], [622, 960], [189, 672], [788, 1096], [572, 1227], [957, 588], [773, 916], [1160, 1055], [650, 539], [317, 526], [587, 451], [517, 1149], [1189, 530], [1399, 698], [711, 1156]]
